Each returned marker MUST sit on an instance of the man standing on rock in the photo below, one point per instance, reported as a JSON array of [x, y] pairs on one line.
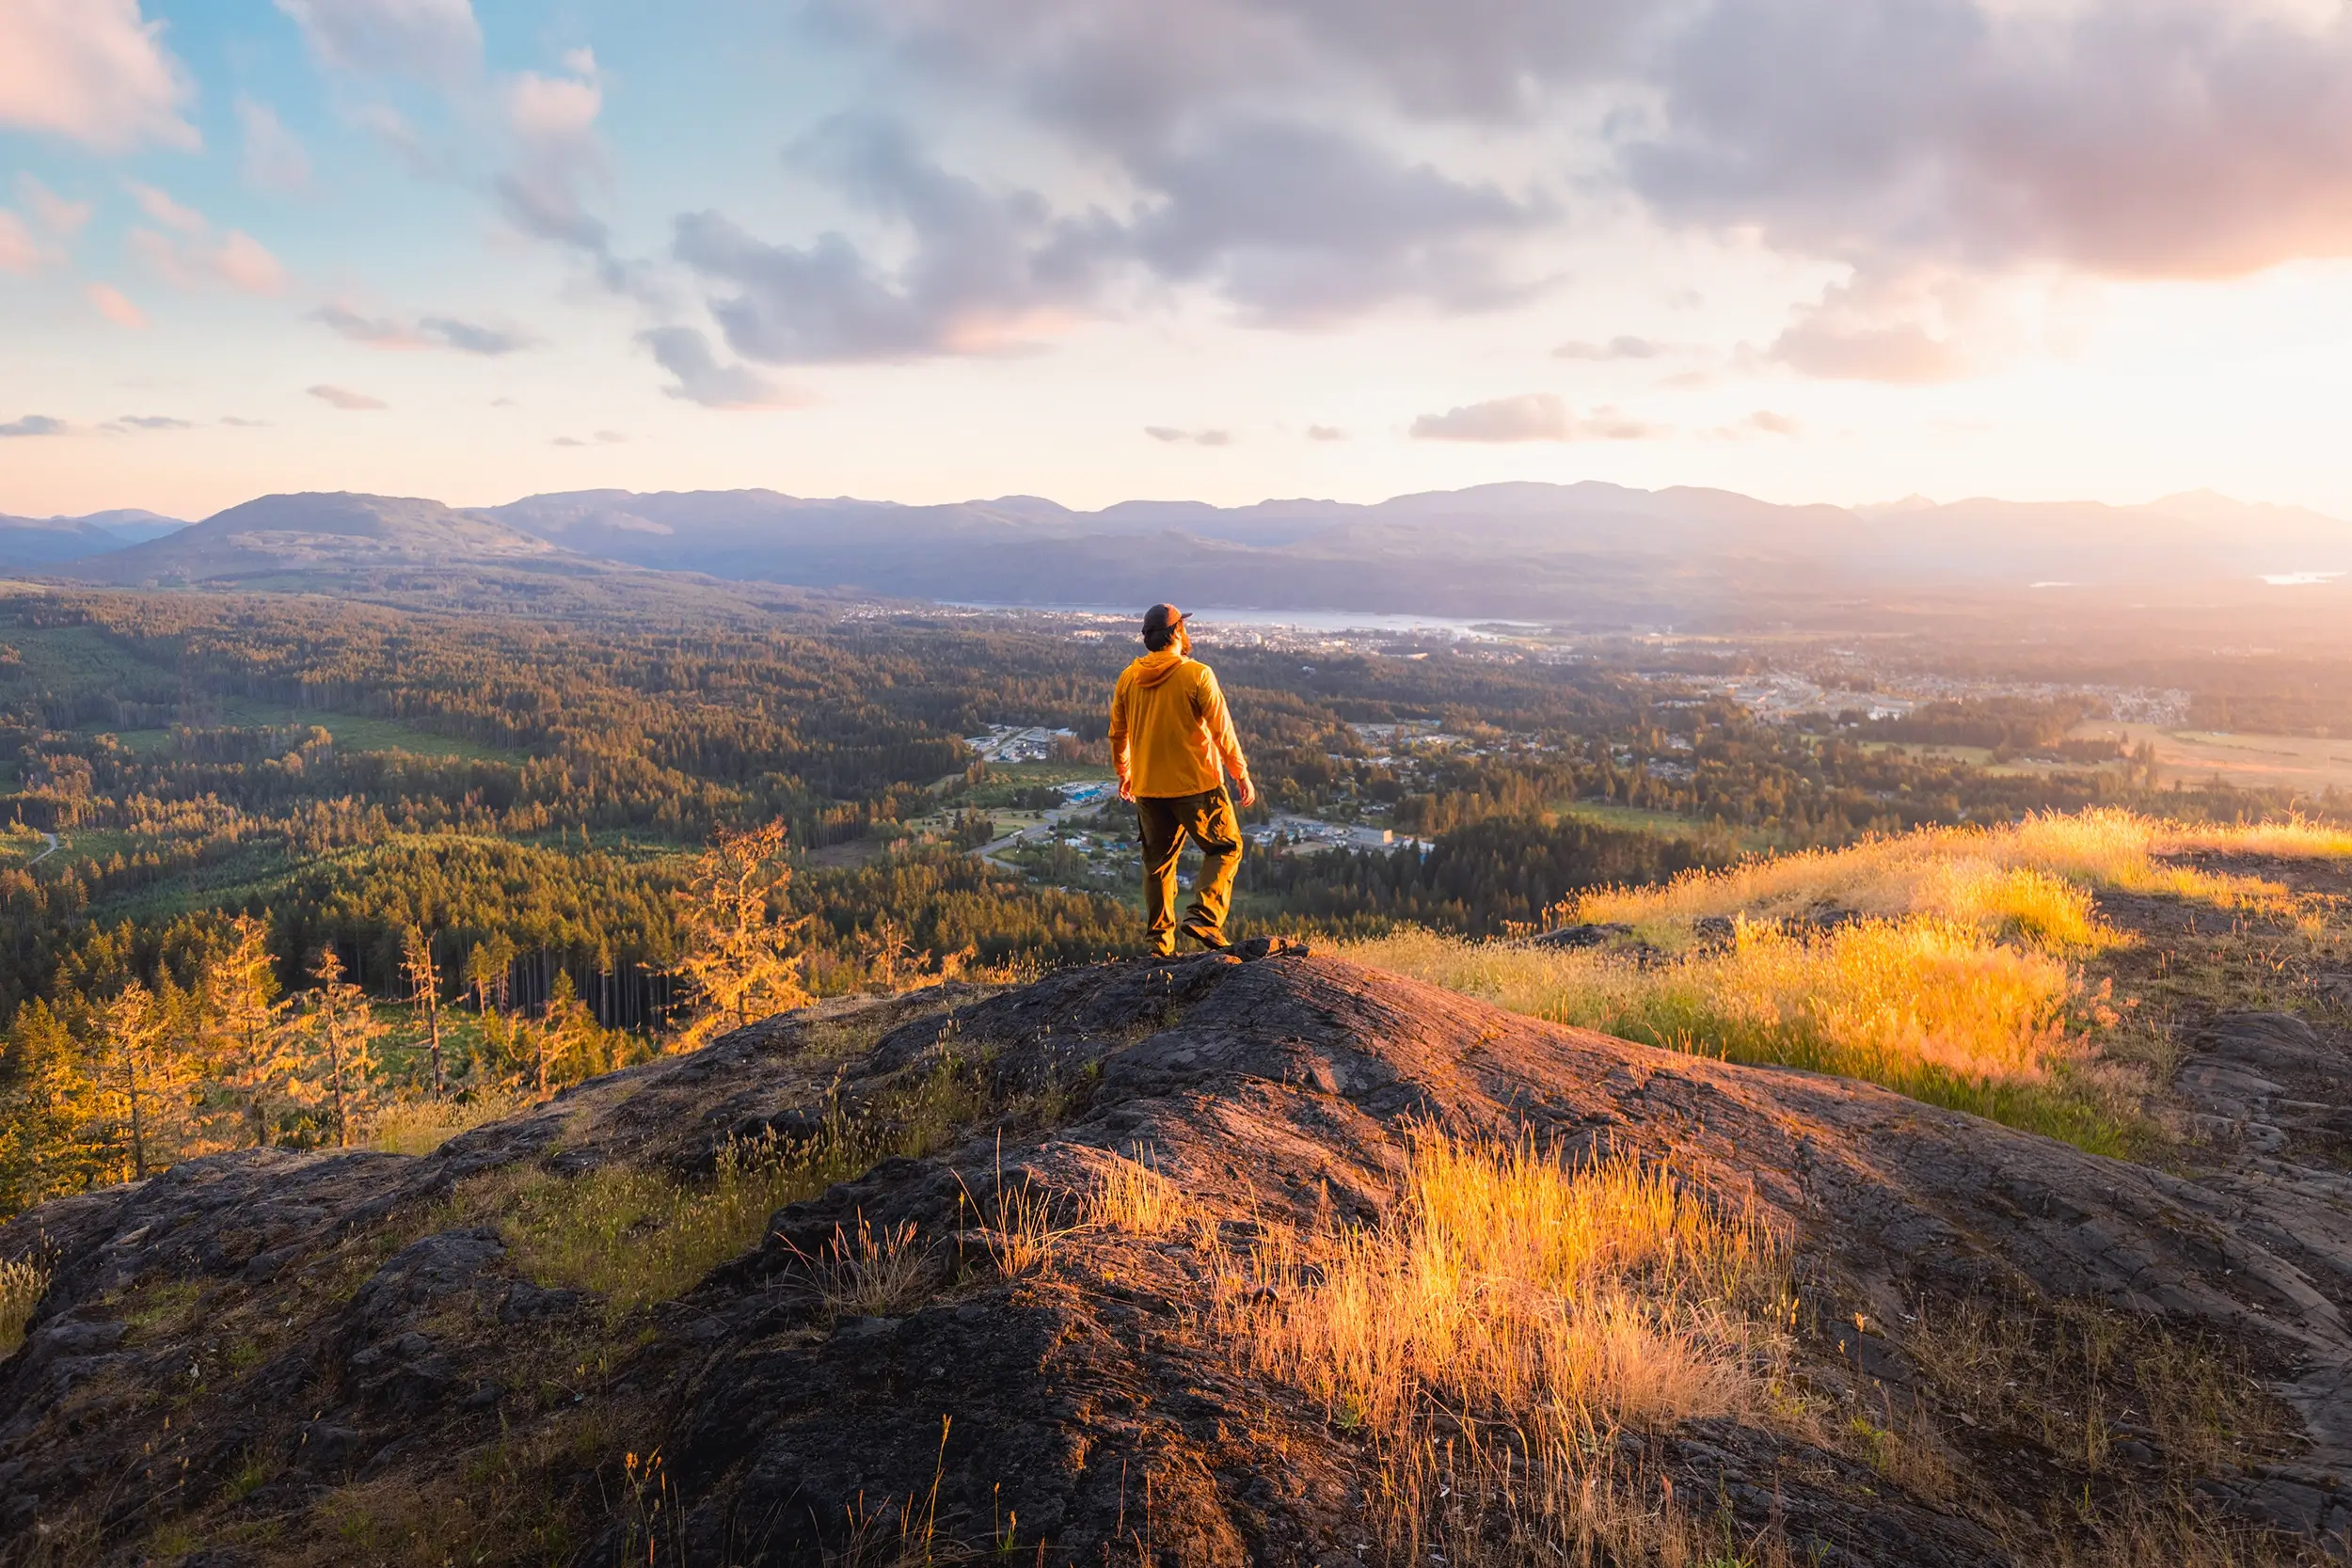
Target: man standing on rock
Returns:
[[1169, 733]]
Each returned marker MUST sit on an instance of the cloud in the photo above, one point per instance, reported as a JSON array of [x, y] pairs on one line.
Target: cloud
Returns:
[[552, 123], [244, 425], [93, 71], [686, 354], [274, 156], [375, 331], [1772, 424], [59, 216], [1991, 139], [344, 399], [986, 271], [432, 332], [1305, 225], [1912, 328], [238, 261], [154, 421], [470, 337], [1127, 72], [1326, 433], [33, 424], [1197, 437], [601, 438], [567, 441], [19, 253], [1296, 225], [1530, 417], [437, 41], [159, 206], [2140, 138], [610, 438], [196, 260], [1615, 348]]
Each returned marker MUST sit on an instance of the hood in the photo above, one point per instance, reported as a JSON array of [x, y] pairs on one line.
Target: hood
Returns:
[[1151, 669]]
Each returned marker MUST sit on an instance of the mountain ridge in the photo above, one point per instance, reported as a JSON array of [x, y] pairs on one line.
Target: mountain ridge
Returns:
[[1515, 549]]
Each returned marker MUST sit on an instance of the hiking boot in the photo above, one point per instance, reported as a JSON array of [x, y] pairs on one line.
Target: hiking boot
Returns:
[[1207, 936]]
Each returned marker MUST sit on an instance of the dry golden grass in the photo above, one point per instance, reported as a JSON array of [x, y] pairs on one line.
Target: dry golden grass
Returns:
[[1019, 1233], [1928, 1007], [2030, 879], [1130, 1196], [1957, 985], [2178, 1534], [1511, 1314], [871, 1274], [1607, 1294], [23, 1283], [421, 1126]]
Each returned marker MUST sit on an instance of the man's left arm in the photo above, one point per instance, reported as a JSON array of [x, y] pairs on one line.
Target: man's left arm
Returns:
[[1118, 739], [1220, 719]]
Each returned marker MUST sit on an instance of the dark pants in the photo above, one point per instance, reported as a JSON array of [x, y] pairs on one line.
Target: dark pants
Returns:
[[1167, 821]]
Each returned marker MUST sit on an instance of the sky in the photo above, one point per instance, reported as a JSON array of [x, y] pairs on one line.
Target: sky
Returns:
[[924, 250]]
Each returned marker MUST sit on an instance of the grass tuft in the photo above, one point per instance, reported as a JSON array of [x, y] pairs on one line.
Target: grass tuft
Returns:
[[1130, 1196], [23, 1283], [870, 1276], [421, 1126]]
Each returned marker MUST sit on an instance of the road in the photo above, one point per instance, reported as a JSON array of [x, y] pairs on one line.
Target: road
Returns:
[[45, 853]]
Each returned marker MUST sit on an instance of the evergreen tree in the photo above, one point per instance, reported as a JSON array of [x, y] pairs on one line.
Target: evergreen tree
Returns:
[[143, 1079], [424, 992], [735, 914], [343, 1030], [51, 1138], [254, 1057]]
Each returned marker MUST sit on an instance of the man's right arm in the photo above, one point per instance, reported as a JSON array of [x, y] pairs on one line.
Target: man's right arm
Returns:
[[1218, 719]]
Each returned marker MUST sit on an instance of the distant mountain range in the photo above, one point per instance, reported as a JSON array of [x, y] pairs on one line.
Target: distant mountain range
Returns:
[[1507, 551], [37, 542]]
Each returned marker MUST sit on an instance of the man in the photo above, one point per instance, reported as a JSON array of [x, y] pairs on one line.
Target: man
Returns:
[[1169, 733]]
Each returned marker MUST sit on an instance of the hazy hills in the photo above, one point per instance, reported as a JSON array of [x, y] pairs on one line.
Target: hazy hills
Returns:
[[1516, 550], [1498, 549], [37, 542], [293, 533]]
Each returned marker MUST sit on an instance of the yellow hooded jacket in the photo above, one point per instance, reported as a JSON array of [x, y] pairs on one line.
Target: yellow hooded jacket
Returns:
[[1168, 721]]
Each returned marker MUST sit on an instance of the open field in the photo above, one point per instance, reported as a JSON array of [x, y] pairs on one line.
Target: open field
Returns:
[[2303, 762]]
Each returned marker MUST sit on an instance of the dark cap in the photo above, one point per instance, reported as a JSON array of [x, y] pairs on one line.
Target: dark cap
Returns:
[[1159, 625]]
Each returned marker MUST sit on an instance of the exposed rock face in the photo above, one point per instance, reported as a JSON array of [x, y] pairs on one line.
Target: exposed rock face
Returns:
[[328, 1336]]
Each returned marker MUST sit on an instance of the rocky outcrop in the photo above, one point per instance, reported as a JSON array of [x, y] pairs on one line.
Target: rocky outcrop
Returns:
[[252, 1358]]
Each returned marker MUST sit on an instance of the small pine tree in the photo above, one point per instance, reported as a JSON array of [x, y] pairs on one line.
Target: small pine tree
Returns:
[[144, 1082], [424, 992], [487, 969], [53, 1137], [343, 1030], [738, 934], [257, 1058]]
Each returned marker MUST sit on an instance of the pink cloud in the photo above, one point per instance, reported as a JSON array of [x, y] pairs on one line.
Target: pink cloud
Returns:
[[93, 71], [238, 261], [159, 206], [115, 306], [18, 252]]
